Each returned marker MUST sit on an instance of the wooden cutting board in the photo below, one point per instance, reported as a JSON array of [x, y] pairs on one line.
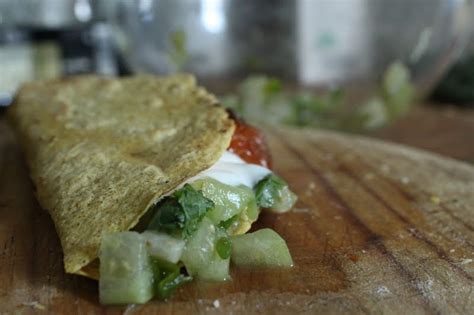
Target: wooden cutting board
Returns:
[[378, 228]]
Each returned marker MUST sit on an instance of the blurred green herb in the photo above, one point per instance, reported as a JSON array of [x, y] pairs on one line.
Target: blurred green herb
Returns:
[[272, 86], [179, 53], [261, 98], [309, 109], [396, 97]]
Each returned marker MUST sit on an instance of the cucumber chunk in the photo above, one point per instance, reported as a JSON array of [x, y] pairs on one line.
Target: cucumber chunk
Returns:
[[229, 201], [164, 246], [200, 256], [126, 276], [263, 248], [273, 193]]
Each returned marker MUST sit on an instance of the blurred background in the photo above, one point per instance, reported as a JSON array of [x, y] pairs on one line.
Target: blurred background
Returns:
[[353, 65]]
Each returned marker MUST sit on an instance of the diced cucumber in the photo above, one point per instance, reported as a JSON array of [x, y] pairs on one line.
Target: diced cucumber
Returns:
[[284, 201], [217, 269], [273, 193], [163, 246], [246, 218], [263, 248], [200, 256], [229, 201], [252, 209], [125, 273]]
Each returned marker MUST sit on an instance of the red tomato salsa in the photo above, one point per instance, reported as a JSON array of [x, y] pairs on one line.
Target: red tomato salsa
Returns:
[[249, 144]]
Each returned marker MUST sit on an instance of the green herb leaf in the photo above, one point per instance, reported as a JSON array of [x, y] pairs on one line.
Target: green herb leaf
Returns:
[[224, 247], [272, 86], [179, 53], [161, 268], [180, 213], [166, 287], [267, 190], [169, 217], [167, 277]]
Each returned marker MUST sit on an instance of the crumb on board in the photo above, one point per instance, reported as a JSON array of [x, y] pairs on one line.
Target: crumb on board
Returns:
[[352, 257], [369, 176], [310, 189], [382, 290], [35, 305], [385, 168], [435, 199], [131, 308], [305, 210]]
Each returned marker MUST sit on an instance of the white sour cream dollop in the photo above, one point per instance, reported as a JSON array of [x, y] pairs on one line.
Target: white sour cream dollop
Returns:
[[230, 169]]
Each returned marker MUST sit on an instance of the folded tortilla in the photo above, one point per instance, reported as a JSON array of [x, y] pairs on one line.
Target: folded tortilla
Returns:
[[101, 151]]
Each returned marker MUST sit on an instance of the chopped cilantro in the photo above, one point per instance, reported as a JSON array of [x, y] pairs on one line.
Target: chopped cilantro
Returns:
[[272, 86], [180, 213]]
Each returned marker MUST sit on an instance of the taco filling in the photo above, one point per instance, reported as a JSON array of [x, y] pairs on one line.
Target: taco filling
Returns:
[[150, 175], [196, 231]]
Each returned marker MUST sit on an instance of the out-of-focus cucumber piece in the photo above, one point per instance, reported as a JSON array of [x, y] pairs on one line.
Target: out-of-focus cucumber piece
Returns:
[[126, 276], [263, 248], [200, 256], [164, 246], [229, 201], [273, 193]]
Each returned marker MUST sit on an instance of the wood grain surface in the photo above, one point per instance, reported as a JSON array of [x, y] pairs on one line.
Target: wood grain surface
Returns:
[[440, 128], [378, 228]]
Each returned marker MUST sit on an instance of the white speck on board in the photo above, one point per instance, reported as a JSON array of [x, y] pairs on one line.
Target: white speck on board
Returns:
[[369, 176], [426, 287], [466, 261], [383, 291], [385, 168], [35, 304]]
